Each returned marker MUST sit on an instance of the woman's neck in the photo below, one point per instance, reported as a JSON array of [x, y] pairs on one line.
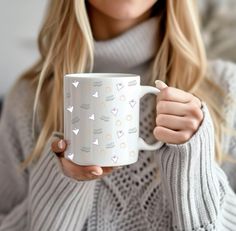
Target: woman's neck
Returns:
[[105, 27]]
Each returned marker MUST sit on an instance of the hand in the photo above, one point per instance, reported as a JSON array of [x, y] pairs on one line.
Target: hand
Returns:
[[76, 171], [179, 115]]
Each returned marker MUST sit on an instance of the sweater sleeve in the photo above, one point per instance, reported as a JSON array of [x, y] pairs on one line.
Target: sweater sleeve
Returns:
[[41, 197], [56, 201], [13, 181], [197, 188]]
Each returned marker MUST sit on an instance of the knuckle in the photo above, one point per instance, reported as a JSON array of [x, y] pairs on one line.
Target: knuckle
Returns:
[[194, 109], [192, 124], [183, 137], [199, 115], [197, 112]]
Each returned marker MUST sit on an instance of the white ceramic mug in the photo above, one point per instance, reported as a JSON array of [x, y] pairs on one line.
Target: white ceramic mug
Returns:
[[101, 118]]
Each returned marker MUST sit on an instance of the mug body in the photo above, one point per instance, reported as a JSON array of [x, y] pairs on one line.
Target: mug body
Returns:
[[101, 118]]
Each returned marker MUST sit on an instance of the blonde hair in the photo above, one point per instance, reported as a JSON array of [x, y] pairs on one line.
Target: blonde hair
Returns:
[[66, 46]]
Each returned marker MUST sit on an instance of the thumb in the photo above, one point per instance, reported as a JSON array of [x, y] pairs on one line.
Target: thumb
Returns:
[[160, 85]]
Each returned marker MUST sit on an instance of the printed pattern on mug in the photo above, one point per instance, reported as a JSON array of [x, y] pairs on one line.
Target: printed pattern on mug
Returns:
[[102, 94]]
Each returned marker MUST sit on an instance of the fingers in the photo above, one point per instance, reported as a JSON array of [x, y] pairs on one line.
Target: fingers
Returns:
[[171, 108], [172, 94], [76, 171], [180, 109], [170, 136], [176, 123], [179, 115], [82, 173]]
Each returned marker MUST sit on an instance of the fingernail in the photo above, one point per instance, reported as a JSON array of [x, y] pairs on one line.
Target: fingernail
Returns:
[[160, 84], [61, 144], [96, 173]]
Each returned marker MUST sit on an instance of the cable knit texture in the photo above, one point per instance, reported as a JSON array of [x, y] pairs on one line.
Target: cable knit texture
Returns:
[[179, 187]]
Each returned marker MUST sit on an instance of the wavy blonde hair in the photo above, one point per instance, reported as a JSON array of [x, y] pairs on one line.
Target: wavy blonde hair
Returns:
[[66, 46]]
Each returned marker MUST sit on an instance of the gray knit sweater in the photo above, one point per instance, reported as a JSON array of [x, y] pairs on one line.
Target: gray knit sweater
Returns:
[[179, 187]]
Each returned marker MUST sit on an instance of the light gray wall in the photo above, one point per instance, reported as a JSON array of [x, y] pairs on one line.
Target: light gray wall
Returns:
[[19, 24]]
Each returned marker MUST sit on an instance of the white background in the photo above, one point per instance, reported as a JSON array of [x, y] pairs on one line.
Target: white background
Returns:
[[20, 21]]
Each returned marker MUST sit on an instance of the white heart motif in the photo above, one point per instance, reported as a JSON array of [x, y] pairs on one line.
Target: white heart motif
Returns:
[[120, 133], [95, 142], [76, 84], [71, 156], [132, 103], [119, 86], [70, 109], [114, 159], [114, 111], [92, 117], [95, 95], [76, 131]]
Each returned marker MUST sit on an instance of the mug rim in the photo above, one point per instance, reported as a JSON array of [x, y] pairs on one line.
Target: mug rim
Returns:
[[101, 75]]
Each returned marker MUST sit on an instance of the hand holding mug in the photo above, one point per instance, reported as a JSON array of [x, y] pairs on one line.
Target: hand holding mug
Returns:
[[179, 115], [101, 124], [75, 171]]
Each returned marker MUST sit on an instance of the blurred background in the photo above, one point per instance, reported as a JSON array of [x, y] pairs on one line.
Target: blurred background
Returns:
[[20, 22]]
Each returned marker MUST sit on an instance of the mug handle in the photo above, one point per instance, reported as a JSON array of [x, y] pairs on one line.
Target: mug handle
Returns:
[[142, 145]]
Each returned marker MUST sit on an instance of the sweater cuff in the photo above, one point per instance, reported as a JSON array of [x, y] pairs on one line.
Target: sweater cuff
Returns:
[[57, 202], [190, 179]]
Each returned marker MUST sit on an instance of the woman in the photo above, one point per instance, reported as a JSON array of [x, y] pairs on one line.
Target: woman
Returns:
[[180, 186]]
